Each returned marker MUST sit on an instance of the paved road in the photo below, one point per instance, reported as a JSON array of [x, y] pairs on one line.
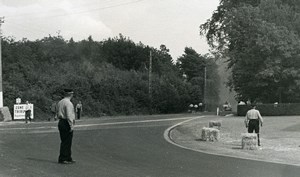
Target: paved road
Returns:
[[118, 148]]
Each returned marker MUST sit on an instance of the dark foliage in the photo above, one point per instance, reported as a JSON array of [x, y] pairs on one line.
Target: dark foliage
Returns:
[[260, 41], [109, 77]]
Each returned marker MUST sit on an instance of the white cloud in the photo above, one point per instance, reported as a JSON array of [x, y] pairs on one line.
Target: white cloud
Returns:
[[36, 21], [84, 26], [174, 23]]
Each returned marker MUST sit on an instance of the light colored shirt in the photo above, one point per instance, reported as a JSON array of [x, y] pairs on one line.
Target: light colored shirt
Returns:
[[27, 107], [65, 110], [253, 114], [78, 106]]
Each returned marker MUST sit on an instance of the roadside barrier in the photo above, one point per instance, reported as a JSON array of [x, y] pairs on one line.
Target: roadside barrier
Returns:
[[210, 134], [214, 124], [249, 141]]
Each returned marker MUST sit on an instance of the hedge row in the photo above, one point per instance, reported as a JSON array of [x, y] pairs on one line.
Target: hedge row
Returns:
[[272, 109]]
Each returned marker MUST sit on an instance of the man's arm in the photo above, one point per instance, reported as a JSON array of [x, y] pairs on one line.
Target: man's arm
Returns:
[[260, 118], [246, 120], [70, 115]]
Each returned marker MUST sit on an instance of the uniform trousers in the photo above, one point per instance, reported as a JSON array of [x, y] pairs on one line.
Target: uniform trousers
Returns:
[[66, 137], [78, 113]]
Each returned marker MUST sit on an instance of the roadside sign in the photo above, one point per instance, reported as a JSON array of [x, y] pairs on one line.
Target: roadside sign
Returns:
[[18, 100], [19, 111]]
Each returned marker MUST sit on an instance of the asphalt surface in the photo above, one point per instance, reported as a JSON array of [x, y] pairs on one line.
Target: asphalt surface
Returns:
[[118, 148]]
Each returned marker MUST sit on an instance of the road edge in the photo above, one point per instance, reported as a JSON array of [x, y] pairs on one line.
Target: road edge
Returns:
[[167, 137]]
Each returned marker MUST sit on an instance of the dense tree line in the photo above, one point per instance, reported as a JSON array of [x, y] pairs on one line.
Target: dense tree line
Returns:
[[110, 77], [260, 40]]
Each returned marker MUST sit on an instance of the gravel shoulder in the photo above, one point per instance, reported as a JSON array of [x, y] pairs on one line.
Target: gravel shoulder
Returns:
[[280, 138]]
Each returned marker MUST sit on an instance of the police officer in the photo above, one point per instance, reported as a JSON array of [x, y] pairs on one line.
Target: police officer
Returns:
[[252, 121], [66, 115]]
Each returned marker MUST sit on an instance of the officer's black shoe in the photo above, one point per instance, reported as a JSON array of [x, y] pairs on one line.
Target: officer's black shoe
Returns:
[[65, 162], [71, 161]]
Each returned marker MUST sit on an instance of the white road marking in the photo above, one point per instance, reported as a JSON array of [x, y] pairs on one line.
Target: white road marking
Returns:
[[134, 122], [167, 131], [27, 128], [99, 124]]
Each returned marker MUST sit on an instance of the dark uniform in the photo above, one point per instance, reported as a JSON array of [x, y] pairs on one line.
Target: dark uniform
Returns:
[[66, 116]]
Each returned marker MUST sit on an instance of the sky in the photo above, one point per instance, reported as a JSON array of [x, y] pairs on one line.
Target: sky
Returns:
[[174, 23]]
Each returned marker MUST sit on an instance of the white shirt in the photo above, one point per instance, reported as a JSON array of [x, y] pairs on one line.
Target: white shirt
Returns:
[[65, 110], [27, 107]]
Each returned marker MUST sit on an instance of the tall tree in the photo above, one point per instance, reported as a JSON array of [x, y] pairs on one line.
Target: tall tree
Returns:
[[123, 53], [260, 39], [201, 72], [191, 64]]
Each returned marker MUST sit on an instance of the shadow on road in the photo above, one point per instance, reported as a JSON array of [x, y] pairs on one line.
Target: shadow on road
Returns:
[[41, 160]]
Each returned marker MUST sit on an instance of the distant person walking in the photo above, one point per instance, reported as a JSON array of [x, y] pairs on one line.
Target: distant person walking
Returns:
[[79, 109], [252, 121], [27, 112], [53, 111], [66, 115]]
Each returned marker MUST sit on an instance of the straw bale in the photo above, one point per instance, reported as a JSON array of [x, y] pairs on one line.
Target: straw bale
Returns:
[[249, 141], [210, 134], [214, 124]]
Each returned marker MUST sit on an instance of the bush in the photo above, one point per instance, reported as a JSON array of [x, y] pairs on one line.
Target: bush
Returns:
[[272, 109]]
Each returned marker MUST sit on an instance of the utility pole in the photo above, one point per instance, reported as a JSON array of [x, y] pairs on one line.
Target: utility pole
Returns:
[[1, 89], [204, 89], [150, 81], [4, 110]]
